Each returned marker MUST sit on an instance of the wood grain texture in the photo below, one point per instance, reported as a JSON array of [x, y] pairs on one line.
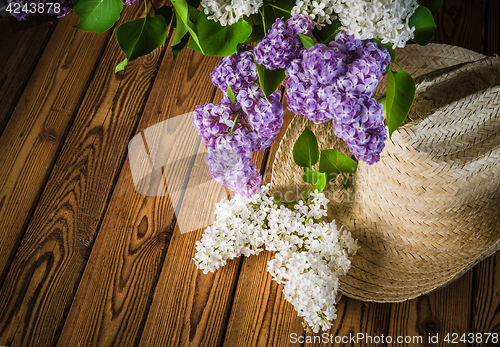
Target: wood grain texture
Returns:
[[189, 308], [492, 35], [115, 293], [41, 283], [461, 23], [260, 315], [486, 309], [40, 122], [447, 310], [21, 45], [354, 317]]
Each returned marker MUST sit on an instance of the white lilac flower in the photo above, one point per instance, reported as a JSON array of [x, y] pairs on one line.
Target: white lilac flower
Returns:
[[228, 12], [365, 19], [384, 19], [312, 254], [320, 12]]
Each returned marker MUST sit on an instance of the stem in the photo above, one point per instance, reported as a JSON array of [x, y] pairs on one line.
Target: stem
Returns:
[[263, 19], [399, 66], [235, 120], [146, 6], [279, 8]]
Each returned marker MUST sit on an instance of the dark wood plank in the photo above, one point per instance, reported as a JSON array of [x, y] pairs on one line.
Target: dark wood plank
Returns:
[[114, 296], [41, 283], [486, 310], [354, 317], [492, 35], [21, 45], [40, 122], [461, 23], [445, 311], [260, 315]]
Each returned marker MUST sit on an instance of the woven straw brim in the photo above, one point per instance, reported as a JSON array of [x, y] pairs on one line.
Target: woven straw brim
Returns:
[[428, 211]]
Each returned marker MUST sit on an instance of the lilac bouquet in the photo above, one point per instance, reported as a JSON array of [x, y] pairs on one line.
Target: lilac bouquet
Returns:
[[331, 82]]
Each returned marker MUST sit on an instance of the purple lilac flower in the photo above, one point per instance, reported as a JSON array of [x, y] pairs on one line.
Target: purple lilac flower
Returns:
[[362, 77], [336, 82], [238, 70], [264, 116], [309, 84], [299, 24], [381, 56], [347, 45], [359, 122], [295, 86], [322, 64], [233, 132], [65, 7], [233, 168], [282, 44], [212, 121]]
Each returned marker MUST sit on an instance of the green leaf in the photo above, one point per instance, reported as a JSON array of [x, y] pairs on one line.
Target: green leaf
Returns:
[[305, 149], [434, 6], [316, 178], [184, 12], [399, 97], [424, 24], [178, 47], [181, 30], [255, 20], [140, 37], [98, 15], [166, 12], [328, 32], [218, 40], [121, 65], [307, 41], [332, 162], [269, 80], [230, 94], [387, 46]]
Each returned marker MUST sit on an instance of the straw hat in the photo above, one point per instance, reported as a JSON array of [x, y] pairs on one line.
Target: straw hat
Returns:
[[428, 211]]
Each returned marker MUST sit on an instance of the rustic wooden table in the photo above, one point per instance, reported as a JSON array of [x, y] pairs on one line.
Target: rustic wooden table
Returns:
[[86, 261]]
